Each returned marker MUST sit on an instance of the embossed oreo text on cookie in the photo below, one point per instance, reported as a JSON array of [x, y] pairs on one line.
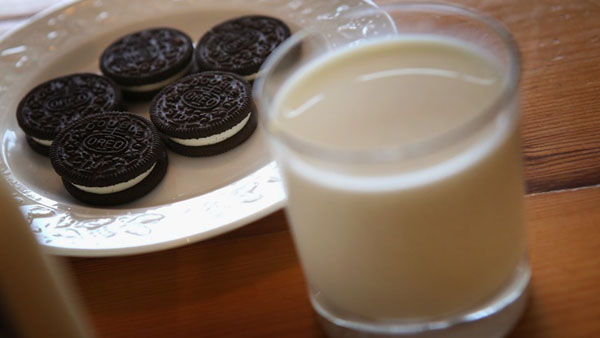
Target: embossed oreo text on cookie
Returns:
[[105, 143], [67, 101], [202, 98], [240, 45]]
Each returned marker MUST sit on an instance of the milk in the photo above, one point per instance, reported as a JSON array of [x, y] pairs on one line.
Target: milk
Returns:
[[422, 236]]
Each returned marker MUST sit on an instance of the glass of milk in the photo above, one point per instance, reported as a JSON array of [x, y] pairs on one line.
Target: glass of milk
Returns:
[[400, 154]]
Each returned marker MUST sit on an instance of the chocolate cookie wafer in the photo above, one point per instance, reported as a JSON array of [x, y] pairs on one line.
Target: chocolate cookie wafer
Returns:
[[205, 113], [143, 62], [111, 158], [240, 45], [55, 104]]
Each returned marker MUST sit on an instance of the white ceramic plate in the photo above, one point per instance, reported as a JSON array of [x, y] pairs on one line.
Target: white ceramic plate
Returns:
[[200, 197]]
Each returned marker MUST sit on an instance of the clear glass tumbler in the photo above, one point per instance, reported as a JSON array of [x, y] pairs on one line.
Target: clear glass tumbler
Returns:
[[401, 159]]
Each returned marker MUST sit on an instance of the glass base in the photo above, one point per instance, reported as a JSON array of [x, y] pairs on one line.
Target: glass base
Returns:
[[494, 319]]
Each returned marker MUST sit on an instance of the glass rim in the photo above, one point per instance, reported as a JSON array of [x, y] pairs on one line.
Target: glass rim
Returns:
[[414, 149]]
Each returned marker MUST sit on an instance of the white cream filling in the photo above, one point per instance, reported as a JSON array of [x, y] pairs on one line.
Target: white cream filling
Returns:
[[117, 187], [212, 139], [46, 143], [156, 85], [251, 77]]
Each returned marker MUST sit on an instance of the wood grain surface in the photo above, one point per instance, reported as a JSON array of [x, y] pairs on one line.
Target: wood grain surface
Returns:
[[564, 246], [560, 88], [248, 283]]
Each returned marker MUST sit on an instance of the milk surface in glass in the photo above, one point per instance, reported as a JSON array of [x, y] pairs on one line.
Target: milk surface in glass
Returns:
[[417, 238]]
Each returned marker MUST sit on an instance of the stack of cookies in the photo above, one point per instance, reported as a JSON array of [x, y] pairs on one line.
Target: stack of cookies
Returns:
[[201, 105]]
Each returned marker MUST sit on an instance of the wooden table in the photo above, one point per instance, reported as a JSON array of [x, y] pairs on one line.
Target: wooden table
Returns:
[[248, 283]]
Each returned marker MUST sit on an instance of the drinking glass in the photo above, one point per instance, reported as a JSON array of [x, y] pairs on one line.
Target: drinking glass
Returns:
[[422, 236]]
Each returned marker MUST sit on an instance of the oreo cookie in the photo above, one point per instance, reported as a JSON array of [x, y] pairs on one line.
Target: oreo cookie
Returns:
[[240, 45], [143, 62], [205, 114], [111, 158], [55, 104]]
